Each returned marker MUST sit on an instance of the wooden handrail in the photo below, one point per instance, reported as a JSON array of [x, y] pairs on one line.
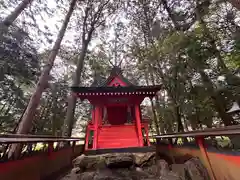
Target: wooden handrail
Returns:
[[199, 137], [35, 136], [230, 130], [19, 138]]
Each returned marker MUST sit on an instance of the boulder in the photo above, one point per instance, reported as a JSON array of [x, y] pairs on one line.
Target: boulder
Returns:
[[171, 176], [142, 159], [196, 170], [89, 163], [152, 170], [87, 176], [125, 166], [78, 160], [71, 176], [121, 160], [75, 170], [162, 166], [112, 174], [140, 174], [180, 170], [158, 169]]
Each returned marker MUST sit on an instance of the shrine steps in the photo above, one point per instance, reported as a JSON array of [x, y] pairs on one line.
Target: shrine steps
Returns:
[[118, 136]]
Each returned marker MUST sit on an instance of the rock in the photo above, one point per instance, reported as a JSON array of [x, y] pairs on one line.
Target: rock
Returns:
[[163, 166], [104, 175], [76, 170], [158, 169], [128, 166], [138, 169], [123, 172], [87, 176], [171, 176], [140, 174], [144, 158], [78, 160], [152, 170], [121, 160], [196, 170], [71, 176], [180, 170], [108, 174], [89, 162]]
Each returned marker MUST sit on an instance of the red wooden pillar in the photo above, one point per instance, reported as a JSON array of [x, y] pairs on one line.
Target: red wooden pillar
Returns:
[[200, 141], [89, 128], [96, 122], [138, 124], [87, 137]]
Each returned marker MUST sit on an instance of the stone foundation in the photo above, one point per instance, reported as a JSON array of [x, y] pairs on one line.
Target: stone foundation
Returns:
[[134, 166]]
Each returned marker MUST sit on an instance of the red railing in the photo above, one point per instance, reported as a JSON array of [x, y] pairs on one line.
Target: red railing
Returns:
[[200, 140], [31, 141], [50, 158]]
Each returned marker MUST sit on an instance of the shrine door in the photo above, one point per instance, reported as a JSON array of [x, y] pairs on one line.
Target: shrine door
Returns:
[[117, 114]]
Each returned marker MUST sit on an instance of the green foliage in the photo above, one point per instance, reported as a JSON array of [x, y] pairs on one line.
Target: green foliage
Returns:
[[19, 67], [173, 42]]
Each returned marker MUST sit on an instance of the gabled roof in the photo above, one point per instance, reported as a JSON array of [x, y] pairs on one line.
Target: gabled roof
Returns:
[[115, 72]]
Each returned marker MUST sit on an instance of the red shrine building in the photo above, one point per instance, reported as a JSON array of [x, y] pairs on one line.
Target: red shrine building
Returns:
[[116, 115]]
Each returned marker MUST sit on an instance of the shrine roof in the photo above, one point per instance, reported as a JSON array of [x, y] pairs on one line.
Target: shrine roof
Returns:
[[102, 86], [107, 89], [100, 81]]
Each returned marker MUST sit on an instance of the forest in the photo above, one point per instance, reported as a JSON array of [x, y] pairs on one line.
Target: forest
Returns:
[[190, 47]]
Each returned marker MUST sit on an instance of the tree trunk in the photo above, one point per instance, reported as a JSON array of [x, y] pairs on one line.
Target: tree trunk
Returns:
[[26, 122], [174, 99], [170, 14], [69, 120], [218, 100], [54, 113], [180, 127], [155, 119], [8, 21]]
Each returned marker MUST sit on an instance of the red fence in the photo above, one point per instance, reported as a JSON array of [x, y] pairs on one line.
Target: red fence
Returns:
[[222, 164], [37, 164]]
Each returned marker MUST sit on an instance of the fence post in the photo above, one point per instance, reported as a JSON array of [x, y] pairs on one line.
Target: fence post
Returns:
[[170, 148], [50, 148], [202, 147], [73, 147]]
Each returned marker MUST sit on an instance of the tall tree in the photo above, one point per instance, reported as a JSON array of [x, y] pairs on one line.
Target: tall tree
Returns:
[[19, 68], [27, 118], [8, 21], [94, 16]]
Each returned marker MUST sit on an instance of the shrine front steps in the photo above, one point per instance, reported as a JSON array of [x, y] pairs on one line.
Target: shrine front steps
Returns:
[[117, 137], [134, 166]]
